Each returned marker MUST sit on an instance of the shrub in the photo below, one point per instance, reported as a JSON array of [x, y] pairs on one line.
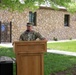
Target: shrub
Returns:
[[55, 39], [70, 38]]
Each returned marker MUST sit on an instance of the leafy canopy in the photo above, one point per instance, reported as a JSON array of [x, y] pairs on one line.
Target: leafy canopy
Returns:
[[20, 5]]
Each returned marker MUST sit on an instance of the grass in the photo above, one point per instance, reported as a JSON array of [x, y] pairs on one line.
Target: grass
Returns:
[[55, 63], [66, 46], [4, 51], [8, 52], [52, 62]]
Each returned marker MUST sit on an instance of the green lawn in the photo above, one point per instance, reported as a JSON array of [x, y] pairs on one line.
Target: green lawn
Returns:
[[4, 51], [52, 62], [66, 46], [55, 63]]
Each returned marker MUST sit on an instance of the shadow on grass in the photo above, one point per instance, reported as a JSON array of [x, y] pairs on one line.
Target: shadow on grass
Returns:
[[56, 63]]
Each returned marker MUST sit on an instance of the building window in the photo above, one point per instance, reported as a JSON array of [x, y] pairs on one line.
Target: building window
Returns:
[[66, 19], [32, 18]]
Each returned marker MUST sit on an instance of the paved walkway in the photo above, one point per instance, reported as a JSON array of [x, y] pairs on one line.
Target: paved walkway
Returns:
[[61, 41], [6, 44], [50, 51], [62, 52]]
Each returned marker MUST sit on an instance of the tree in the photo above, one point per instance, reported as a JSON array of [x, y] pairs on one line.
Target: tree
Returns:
[[20, 5]]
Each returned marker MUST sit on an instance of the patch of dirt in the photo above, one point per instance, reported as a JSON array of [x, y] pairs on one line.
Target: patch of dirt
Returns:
[[70, 71]]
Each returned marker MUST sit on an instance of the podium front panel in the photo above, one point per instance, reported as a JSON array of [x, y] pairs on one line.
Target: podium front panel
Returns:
[[30, 64]]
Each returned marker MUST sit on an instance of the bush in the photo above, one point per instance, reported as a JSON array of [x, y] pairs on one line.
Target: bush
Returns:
[[55, 39], [70, 38]]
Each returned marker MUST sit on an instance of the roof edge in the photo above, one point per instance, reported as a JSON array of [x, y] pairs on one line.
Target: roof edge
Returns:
[[44, 7]]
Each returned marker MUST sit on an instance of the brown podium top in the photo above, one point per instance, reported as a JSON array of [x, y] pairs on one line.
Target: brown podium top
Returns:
[[30, 46]]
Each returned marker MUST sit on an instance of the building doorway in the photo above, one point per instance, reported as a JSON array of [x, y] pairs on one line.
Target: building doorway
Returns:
[[5, 32]]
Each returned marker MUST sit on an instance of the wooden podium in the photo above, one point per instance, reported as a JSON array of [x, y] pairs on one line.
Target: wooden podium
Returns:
[[29, 57]]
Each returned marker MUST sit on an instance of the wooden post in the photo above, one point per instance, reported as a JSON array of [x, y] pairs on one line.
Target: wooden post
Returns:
[[10, 31], [0, 31], [29, 57]]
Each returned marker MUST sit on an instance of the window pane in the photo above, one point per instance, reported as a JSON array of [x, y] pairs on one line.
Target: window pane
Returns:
[[66, 20], [32, 18]]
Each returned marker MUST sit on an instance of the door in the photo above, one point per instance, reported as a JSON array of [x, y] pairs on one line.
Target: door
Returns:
[[5, 32]]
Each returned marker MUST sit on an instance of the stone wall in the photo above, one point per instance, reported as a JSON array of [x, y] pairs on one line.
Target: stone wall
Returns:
[[18, 20], [50, 23]]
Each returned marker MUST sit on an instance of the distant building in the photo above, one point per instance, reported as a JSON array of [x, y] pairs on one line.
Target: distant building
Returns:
[[50, 23]]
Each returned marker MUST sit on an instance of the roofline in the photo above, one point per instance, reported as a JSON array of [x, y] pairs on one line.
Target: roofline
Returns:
[[44, 7]]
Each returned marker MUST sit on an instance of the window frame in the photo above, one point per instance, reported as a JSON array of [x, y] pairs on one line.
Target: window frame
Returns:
[[32, 17], [66, 20]]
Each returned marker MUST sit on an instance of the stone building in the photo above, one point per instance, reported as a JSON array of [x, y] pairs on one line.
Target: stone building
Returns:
[[51, 23]]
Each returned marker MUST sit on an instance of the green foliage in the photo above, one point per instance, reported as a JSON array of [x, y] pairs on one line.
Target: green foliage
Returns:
[[72, 7], [55, 39], [16, 5], [70, 38]]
